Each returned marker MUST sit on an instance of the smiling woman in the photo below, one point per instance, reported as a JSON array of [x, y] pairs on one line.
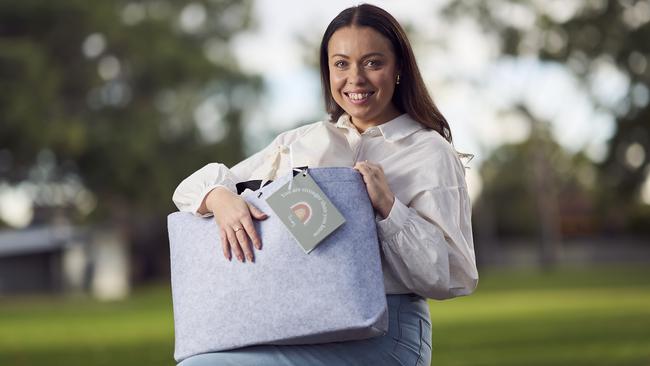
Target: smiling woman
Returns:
[[369, 49], [384, 124], [363, 75]]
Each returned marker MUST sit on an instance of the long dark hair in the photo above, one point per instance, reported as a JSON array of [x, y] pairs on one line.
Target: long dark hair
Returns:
[[411, 95]]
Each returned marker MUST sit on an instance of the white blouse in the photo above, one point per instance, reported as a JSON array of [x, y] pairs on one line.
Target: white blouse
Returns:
[[426, 241]]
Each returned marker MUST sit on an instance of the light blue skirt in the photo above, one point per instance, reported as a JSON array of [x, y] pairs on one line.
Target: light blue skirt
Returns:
[[408, 342]]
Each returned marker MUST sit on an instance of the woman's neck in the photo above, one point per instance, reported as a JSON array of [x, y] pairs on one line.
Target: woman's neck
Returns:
[[364, 125]]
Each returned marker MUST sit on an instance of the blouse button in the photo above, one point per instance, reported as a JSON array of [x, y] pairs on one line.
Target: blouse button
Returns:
[[372, 132]]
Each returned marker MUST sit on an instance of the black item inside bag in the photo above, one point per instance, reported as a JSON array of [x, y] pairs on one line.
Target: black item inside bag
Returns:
[[256, 184]]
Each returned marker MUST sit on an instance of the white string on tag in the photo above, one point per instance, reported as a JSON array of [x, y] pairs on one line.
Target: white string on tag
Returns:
[[300, 171]]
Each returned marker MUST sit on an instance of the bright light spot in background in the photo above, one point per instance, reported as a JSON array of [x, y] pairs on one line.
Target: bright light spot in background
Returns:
[[17, 202], [16, 206], [637, 14], [519, 16], [108, 67], [94, 45], [70, 192], [111, 272], [133, 13], [192, 17], [85, 201], [515, 127], [608, 83], [645, 189], [559, 10], [602, 129], [208, 117], [74, 266], [634, 156]]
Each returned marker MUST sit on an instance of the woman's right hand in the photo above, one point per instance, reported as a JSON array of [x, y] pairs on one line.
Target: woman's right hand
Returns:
[[232, 212]]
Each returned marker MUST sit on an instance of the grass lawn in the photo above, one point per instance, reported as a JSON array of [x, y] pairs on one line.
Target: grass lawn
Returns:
[[570, 317], [591, 316]]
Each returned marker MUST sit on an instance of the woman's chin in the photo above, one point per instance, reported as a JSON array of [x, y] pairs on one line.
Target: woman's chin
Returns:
[[359, 113]]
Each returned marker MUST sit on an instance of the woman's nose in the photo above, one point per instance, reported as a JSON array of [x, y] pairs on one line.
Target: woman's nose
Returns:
[[356, 76]]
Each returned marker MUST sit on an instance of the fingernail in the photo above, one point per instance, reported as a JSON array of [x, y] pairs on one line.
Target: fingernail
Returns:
[[258, 246], [250, 258], [240, 258]]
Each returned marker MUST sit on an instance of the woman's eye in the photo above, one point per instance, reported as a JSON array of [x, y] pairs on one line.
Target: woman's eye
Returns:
[[373, 63], [339, 64]]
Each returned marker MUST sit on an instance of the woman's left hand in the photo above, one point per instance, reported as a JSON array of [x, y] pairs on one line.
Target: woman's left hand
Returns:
[[381, 196]]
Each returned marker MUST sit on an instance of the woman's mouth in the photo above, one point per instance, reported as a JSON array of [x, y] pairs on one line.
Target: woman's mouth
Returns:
[[358, 98]]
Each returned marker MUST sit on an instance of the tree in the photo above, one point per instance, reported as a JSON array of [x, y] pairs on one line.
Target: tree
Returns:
[[536, 189], [587, 37], [126, 98]]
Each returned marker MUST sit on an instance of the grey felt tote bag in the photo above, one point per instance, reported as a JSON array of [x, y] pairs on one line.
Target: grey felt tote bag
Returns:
[[334, 293]]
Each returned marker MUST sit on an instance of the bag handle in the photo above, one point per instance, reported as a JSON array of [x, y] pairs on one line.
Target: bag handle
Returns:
[[275, 165]]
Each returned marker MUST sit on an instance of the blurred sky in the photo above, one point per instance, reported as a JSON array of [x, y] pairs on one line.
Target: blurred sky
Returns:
[[473, 87]]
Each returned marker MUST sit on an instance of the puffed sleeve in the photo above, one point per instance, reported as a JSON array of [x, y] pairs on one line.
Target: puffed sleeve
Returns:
[[190, 193], [429, 245]]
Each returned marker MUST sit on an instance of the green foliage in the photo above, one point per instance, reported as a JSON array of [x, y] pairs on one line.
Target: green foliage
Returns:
[[120, 117], [610, 33]]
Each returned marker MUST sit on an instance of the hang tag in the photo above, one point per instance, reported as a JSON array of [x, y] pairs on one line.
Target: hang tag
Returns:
[[305, 210]]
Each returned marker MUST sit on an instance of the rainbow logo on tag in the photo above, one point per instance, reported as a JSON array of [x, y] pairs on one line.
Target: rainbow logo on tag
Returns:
[[303, 211]]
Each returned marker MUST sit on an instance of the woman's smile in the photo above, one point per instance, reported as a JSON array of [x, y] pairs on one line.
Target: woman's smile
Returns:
[[358, 98]]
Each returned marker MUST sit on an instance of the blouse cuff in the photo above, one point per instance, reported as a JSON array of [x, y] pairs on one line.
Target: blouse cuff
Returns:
[[395, 220], [195, 207]]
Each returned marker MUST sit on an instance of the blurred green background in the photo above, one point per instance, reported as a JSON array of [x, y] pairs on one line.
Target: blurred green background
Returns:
[[595, 316], [106, 106]]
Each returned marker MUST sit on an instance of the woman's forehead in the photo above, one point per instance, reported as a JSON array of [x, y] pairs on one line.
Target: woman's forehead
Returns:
[[358, 42]]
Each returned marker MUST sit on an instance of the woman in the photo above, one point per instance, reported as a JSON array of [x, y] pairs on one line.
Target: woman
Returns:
[[385, 125]]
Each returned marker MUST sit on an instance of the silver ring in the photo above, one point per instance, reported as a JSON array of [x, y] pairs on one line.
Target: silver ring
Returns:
[[236, 228]]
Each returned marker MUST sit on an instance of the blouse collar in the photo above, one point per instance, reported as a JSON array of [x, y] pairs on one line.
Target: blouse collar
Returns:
[[393, 130]]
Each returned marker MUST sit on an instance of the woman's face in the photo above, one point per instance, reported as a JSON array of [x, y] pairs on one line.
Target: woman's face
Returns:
[[362, 74]]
